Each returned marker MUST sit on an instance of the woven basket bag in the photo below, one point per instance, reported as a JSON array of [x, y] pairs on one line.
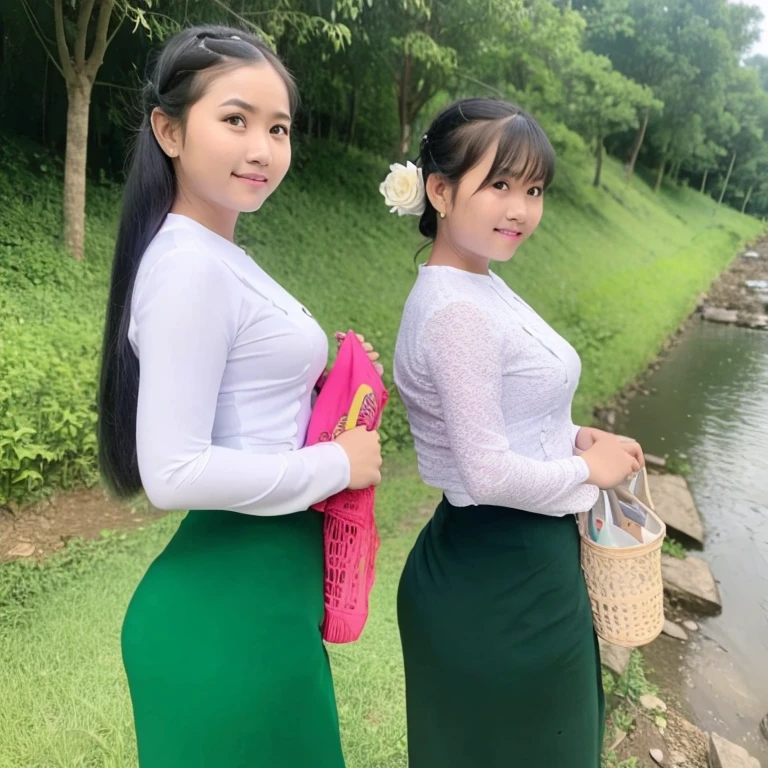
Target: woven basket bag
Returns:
[[624, 583]]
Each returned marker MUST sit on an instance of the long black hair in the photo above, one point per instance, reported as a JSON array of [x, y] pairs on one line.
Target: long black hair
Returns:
[[462, 133], [177, 78]]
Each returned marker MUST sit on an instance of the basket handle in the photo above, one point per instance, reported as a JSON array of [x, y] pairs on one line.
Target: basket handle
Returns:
[[638, 486], [641, 489]]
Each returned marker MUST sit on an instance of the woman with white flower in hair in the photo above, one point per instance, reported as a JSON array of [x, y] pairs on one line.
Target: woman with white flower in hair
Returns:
[[501, 659]]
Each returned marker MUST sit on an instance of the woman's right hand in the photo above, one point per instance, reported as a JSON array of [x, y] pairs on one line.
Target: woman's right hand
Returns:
[[364, 451], [609, 462]]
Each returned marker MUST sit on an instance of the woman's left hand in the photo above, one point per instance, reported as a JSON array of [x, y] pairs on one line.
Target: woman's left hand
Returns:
[[585, 438], [588, 436], [373, 355]]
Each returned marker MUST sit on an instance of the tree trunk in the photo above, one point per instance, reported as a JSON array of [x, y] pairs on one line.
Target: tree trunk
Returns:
[[727, 179], [405, 139], [79, 73], [75, 166], [310, 122], [704, 181], [43, 102], [637, 144], [352, 116], [676, 172], [599, 163], [662, 166], [746, 199], [403, 111]]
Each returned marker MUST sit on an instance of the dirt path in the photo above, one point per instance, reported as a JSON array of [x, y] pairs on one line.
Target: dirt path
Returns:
[[42, 528]]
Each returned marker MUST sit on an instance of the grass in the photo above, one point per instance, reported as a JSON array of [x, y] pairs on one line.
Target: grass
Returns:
[[615, 269], [65, 698], [673, 548]]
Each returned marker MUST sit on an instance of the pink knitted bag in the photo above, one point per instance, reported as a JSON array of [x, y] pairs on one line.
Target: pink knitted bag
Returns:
[[353, 394]]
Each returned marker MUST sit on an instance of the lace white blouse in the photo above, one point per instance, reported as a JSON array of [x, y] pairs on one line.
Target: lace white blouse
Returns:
[[228, 362], [488, 387]]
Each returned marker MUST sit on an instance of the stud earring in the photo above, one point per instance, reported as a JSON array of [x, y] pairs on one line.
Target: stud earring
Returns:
[[442, 215]]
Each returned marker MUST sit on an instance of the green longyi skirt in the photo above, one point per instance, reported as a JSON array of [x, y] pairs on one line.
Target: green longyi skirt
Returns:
[[501, 660], [222, 647]]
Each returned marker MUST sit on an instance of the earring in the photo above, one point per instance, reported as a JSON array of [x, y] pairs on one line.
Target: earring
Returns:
[[442, 215]]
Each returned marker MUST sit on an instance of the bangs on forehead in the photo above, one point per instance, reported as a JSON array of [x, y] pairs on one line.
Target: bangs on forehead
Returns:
[[523, 151]]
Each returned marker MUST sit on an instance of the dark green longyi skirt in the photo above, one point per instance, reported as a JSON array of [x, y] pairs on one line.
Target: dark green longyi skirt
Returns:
[[501, 659]]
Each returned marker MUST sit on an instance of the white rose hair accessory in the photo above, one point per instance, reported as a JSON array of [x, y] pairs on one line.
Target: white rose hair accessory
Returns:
[[403, 189]]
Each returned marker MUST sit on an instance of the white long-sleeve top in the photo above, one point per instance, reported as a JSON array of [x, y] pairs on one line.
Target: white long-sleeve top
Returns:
[[488, 387], [228, 362]]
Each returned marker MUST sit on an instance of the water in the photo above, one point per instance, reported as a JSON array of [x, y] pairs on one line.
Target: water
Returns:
[[711, 405]]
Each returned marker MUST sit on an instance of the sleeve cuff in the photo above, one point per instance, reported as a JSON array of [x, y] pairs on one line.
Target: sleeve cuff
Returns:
[[582, 469], [344, 465]]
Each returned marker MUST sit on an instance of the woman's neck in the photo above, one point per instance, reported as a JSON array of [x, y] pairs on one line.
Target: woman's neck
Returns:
[[444, 254], [219, 220]]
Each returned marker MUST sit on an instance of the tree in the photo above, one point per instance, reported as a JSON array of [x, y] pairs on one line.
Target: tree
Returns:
[[79, 67], [432, 45], [707, 138], [760, 64], [748, 104], [685, 50], [638, 47], [602, 101], [704, 60], [84, 30], [528, 61], [758, 202]]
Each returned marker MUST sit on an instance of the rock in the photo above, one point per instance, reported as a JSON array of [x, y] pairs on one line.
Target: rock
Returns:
[[690, 582], [750, 255], [649, 702], [677, 758], [691, 626], [720, 315], [764, 727], [674, 630], [757, 322], [655, 461], [724, 754], [676, 507], [757, 285], [620, 736], [22, 550], [614, 657], [657, 756]]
